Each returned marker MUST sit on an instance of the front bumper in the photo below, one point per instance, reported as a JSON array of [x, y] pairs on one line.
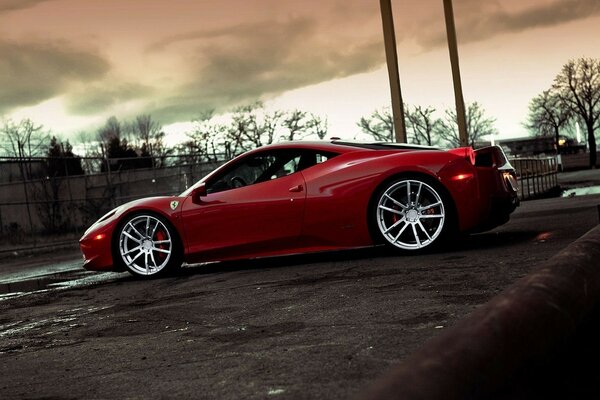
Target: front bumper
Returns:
[[96, 250]]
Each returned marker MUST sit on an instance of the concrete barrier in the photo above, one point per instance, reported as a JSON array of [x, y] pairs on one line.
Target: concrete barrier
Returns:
[[519, 327]]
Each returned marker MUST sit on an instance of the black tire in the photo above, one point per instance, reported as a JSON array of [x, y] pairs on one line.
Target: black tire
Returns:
[[146, 245], [411, 223]]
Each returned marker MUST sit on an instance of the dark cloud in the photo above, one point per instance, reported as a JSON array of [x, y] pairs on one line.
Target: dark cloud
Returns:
[[232, 31], [13, 5], [96, 98], [257, 61], [480, 20], [33, 72]]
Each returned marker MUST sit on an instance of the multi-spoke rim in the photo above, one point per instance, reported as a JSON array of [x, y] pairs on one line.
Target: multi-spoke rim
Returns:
[[145, 245], [410, 214]]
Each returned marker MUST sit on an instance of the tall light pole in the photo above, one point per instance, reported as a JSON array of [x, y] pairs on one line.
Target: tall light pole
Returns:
[[389, 39], [458, 94]]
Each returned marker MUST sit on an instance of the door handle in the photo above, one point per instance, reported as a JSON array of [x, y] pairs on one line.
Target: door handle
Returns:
[[297, 188]]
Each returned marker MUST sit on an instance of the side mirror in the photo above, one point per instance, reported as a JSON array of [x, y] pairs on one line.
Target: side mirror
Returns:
[[198, 192]]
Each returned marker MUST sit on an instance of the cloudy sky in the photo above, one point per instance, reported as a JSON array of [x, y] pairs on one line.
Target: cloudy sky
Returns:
[[71, 64]]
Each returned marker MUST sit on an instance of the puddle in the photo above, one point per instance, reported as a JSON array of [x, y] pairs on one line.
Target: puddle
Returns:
[[39, 284], [32, 285], [582, 191]]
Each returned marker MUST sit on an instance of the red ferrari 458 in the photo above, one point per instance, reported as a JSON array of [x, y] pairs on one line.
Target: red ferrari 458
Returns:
[[301, 197]]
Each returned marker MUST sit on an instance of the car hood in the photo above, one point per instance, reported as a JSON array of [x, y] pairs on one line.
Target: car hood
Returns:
[[164, 205]]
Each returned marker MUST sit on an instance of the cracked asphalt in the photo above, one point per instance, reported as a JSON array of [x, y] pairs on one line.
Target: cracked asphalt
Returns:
[[312, 326]]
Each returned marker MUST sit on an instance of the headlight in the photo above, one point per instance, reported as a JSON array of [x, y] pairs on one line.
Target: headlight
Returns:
[[109, 214], [104, 218]]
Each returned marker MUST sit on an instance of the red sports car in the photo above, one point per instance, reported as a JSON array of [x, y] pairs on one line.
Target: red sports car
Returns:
[[305, 197]]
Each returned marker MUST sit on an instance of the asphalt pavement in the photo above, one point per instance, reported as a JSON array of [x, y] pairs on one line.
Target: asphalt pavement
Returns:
[[312, 326]]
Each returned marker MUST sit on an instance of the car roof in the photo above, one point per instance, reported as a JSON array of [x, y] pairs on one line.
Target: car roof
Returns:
[[343, 146]]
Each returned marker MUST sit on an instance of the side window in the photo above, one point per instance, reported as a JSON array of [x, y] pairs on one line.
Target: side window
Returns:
[[322, 157], [289, 168], [311, 158], [256, 169]]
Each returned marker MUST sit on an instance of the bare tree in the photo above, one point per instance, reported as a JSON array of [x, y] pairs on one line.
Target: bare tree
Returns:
[[244, 133], [379, 125], [317, 126], [269, 126], [146, 129], [251, 126], [478, 125], [548, 114], [578, 86], [149, 132], [422, 125], [295, 122], [23, 139], [206, 138], [112, 129]]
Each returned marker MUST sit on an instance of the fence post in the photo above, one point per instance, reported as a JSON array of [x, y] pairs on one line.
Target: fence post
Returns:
[[108, 177], [545, 176], [24, 180], [538, 179], [526, 162], [556, 172], [68, 178]]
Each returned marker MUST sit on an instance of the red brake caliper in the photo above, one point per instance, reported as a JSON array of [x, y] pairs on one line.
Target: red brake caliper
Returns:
[[160, 235]]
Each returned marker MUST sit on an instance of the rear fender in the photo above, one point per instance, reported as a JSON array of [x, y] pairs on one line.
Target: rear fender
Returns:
[[464, 152]]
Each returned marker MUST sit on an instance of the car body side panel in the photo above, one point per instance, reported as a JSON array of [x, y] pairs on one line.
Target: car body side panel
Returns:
[[251, 220]]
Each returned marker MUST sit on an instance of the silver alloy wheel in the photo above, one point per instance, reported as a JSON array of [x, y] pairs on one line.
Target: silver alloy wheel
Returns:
[[145, 245], [410, 214]]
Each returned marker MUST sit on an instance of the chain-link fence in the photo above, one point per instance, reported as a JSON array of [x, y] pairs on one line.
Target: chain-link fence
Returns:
[[43, 204]]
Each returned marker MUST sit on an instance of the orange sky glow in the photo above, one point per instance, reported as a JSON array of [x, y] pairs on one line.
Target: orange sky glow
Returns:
[[71, 64]]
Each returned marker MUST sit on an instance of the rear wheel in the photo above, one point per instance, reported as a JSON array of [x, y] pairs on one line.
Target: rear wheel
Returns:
[[411, 213], [147, 245]]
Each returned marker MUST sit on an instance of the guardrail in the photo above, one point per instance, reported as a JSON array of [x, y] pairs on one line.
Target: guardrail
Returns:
[[536, 176]]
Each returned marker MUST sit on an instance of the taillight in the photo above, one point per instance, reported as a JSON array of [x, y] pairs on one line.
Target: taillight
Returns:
[[510, 181]]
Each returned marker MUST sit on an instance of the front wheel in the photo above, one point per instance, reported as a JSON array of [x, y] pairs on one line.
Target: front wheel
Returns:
[[411, 214], [147, 246]]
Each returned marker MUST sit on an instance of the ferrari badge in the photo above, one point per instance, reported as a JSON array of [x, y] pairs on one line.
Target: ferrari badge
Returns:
[[174, 205]]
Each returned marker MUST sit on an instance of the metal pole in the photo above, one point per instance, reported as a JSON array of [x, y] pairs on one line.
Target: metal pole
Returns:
[[458, 94], [389, 39]]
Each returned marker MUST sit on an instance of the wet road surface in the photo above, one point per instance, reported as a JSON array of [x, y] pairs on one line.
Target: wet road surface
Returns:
[[313, 326]]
